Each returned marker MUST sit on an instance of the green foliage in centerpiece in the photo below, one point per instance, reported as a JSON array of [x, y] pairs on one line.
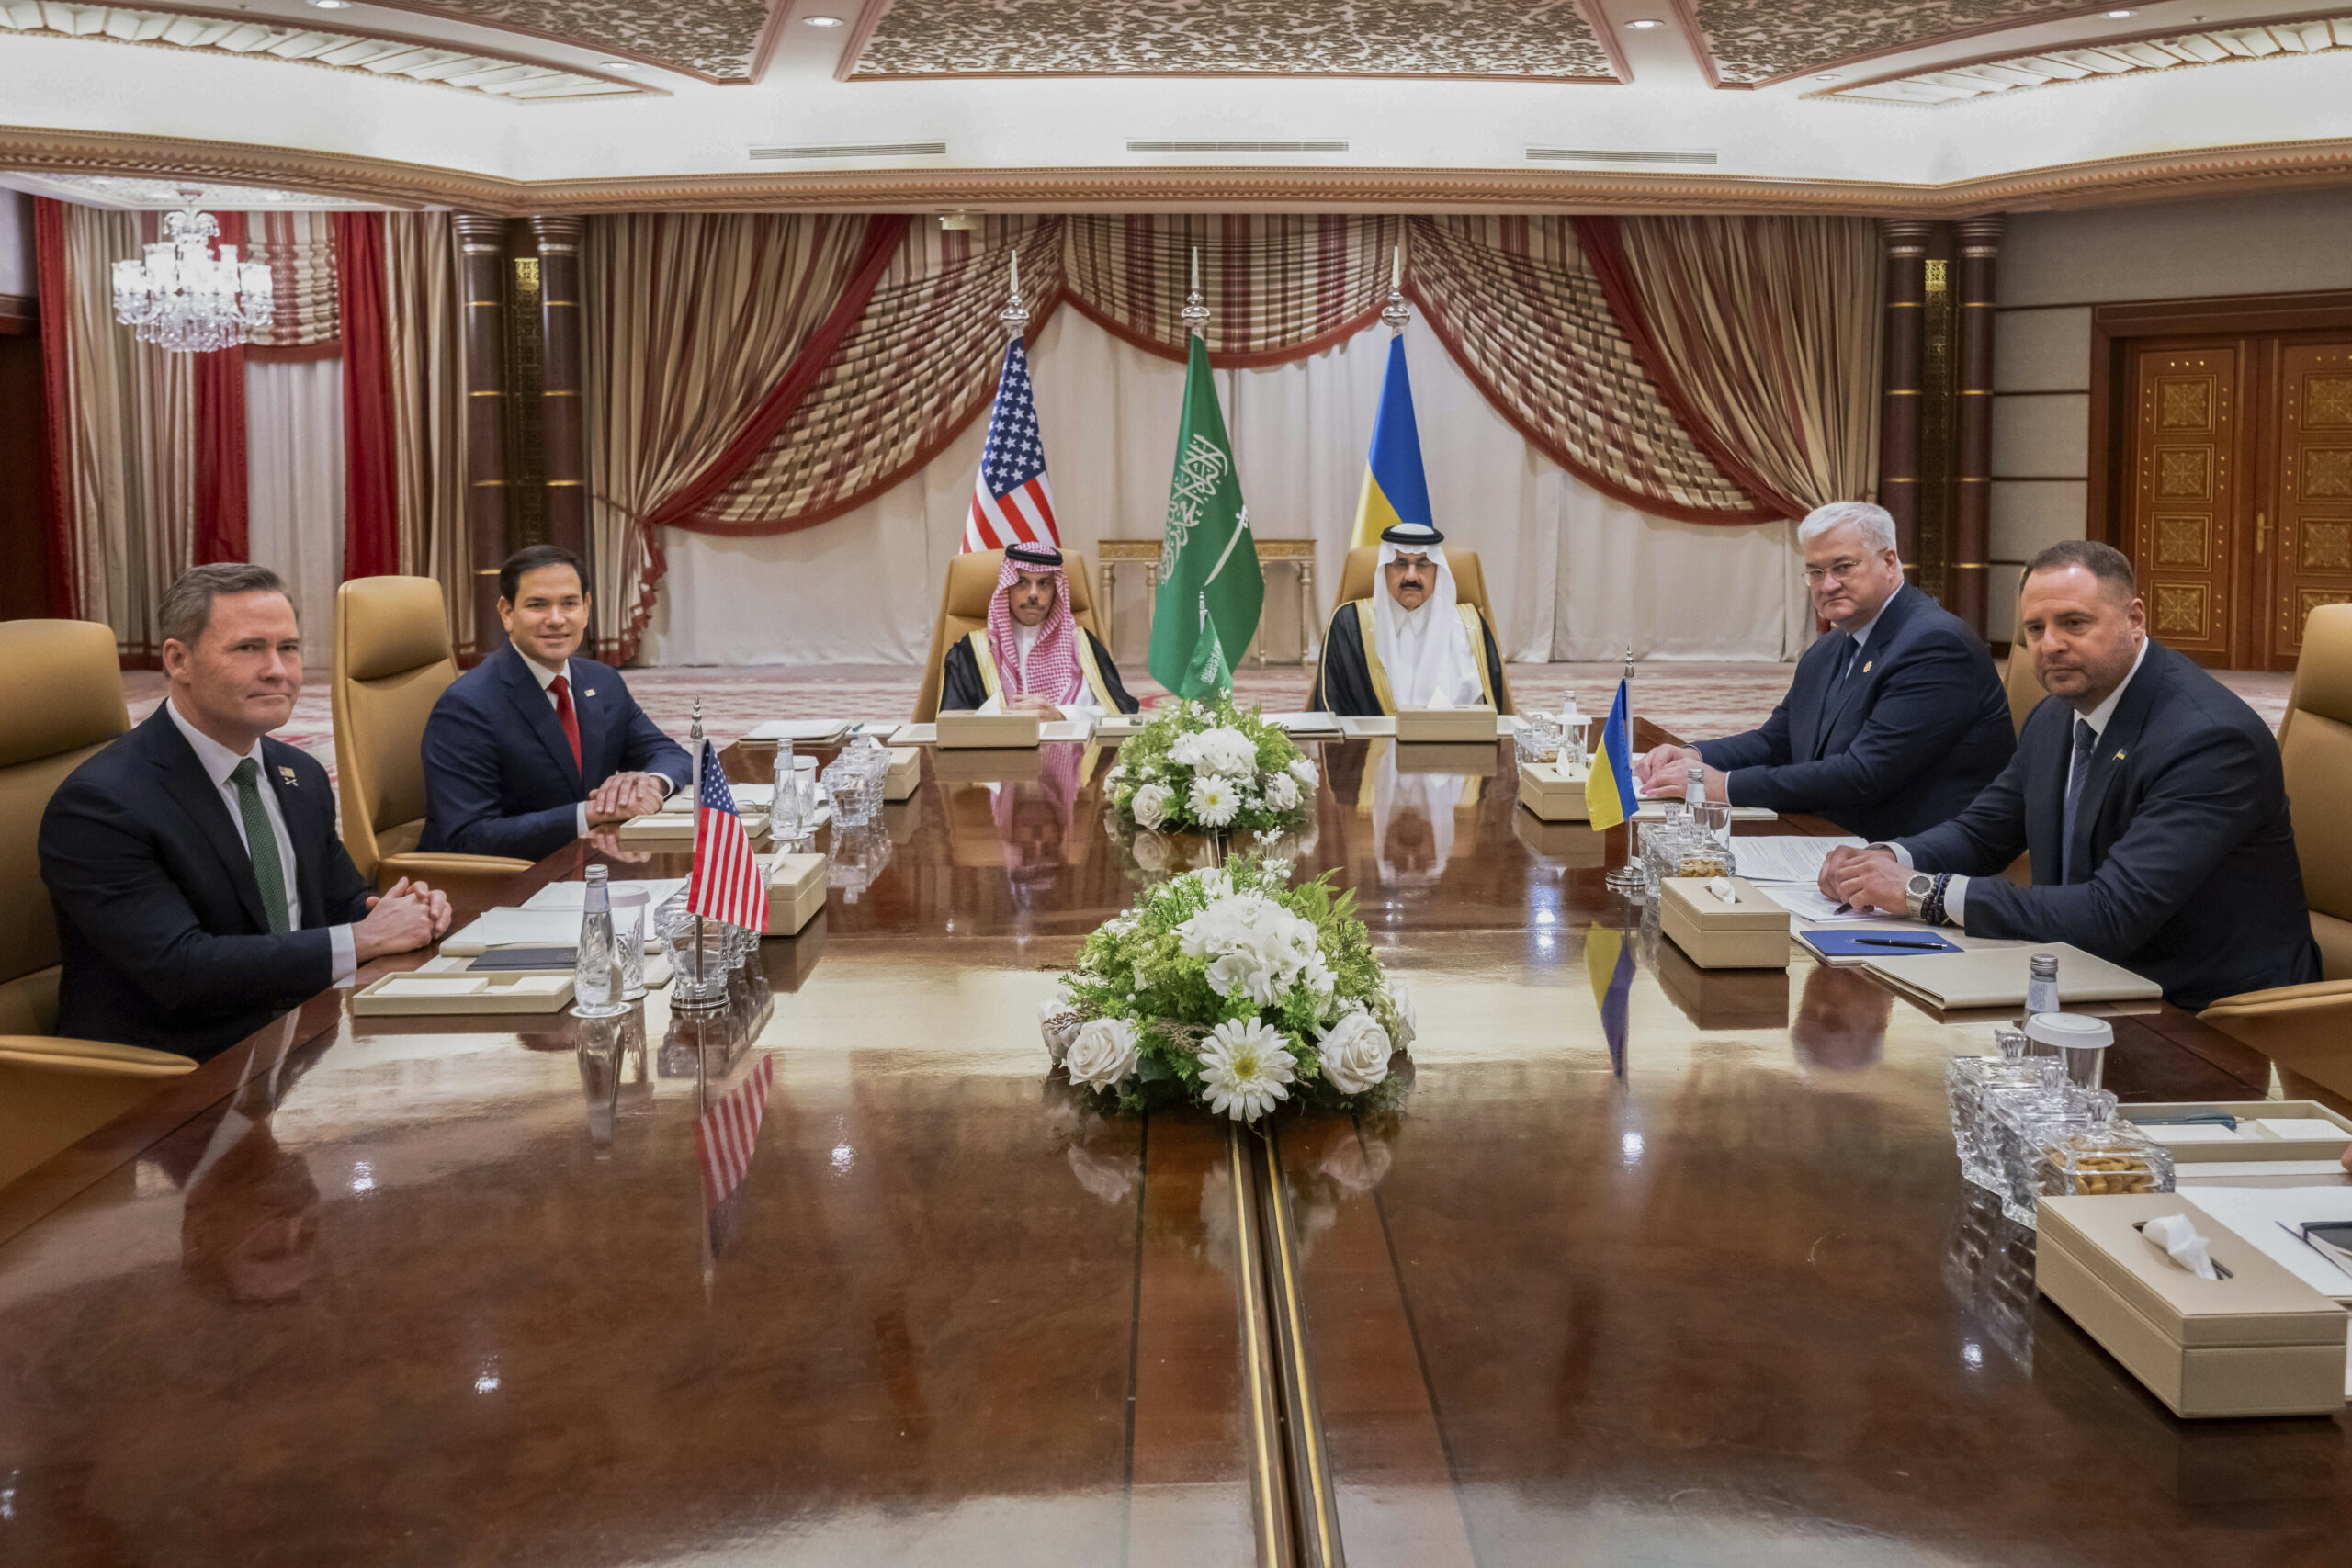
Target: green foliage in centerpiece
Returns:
[[1207, 767], [1230, 989]]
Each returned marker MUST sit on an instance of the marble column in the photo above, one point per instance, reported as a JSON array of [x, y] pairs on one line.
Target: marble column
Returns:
[[563, 431], [1980, 250], [481, 275]]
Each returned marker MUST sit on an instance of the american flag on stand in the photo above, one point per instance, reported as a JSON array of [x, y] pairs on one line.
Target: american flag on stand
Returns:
[[726, 1138], [1011, 501], [726, 884]]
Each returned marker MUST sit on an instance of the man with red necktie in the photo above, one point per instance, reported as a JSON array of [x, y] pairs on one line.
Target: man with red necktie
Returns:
[[536, 746]]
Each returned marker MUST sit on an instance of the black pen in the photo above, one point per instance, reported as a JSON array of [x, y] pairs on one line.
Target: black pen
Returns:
[[1898, 942]]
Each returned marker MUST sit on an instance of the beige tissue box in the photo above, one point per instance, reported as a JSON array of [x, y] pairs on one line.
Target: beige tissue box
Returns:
[[966, 730], [2260, 1342], [1446, 724], [1750, 935], [905, 772], [1554, 792], [796, 893]]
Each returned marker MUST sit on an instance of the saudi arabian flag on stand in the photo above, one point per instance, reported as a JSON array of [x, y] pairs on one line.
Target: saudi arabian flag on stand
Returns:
[[1210, 585]]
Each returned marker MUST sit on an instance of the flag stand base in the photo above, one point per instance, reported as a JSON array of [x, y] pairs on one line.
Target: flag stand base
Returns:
[[1626, 879]]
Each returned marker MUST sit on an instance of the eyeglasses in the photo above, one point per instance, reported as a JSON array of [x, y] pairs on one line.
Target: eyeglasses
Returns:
[[1840, 569]]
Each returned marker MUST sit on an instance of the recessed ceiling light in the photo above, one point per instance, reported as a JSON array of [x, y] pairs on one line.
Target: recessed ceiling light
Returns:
[[2118, 16], [617, 65], [331, 4], [821, 21], [1647, 22], [1827, 76]]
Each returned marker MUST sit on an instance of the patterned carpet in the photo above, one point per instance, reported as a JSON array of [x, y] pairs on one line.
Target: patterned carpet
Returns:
[[1696, 700]]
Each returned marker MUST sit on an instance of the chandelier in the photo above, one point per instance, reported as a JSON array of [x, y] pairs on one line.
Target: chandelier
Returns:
[[186, 300]]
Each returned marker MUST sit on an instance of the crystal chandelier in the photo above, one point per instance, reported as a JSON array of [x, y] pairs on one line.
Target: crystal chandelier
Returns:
[[182, 298]]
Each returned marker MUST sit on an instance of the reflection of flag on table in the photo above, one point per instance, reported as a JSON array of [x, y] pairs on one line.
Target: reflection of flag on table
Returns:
[[1609, 963], [1011, 501], [726, 1138], [726, 884]]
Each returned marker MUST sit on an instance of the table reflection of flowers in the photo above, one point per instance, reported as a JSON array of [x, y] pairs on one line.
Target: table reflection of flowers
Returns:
[[1228, 989]]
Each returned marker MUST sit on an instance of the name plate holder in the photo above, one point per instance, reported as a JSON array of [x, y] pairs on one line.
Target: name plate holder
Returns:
[[1446, 724]]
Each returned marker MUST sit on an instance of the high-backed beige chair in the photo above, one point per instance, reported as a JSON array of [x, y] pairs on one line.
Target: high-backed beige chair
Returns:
[[2024, 685], [65, 702], [2308, 1028], [392, 661], [964, 609], [1360, 576]]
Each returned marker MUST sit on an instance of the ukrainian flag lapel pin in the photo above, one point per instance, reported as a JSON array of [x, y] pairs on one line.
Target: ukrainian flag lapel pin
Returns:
[[2119, 756]]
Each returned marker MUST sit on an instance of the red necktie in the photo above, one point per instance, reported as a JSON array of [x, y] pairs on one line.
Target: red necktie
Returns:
[[566, 717]]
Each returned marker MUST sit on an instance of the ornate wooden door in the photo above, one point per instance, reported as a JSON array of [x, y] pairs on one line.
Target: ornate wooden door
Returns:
[[2185, 480], [2310, 550]]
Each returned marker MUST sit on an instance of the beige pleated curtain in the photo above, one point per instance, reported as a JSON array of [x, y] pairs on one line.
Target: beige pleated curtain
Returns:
[[423, 315]]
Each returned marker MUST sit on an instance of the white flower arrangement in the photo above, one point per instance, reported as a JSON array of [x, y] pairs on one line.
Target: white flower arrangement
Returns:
[[1209, 767], [1227, 988]]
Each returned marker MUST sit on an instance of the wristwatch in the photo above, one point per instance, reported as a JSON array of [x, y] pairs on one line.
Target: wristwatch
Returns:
[[1915, 896]]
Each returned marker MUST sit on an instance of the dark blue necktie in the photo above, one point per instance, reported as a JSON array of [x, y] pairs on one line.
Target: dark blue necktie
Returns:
[[2085, 739]]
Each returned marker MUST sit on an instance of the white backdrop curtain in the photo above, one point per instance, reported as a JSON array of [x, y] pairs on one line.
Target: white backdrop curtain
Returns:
[[294, 487], [1575, 575]]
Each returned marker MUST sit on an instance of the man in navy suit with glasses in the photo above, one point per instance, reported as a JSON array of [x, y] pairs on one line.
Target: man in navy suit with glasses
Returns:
[[1894, 719], [537, 747]]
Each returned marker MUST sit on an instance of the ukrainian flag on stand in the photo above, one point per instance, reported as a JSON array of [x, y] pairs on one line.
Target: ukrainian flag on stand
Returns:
[[1609, 796], [1394, 489]]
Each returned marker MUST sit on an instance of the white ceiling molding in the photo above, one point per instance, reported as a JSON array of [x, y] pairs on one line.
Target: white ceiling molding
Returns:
[[2123, 57], [246, 36], [130, 193]]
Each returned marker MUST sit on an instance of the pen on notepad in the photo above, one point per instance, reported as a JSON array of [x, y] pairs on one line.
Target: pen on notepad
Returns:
[[1898, 942]]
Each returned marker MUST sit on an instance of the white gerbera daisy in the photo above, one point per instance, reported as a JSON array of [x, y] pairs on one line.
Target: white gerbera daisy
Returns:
[[1243, 1069], [1214, 801]]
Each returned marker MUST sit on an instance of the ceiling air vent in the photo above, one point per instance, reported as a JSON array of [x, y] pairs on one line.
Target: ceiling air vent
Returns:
[[1612, 156], [852, 149], [1238, 147]]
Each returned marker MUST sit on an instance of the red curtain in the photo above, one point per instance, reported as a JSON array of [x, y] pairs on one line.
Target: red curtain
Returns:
[[371, 528], [49, 264]]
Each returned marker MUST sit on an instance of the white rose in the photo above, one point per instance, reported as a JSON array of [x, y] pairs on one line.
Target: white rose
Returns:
[[1104, 1053], [1303, 772], [1355, 1053], [1150, 803], [1281, 792]]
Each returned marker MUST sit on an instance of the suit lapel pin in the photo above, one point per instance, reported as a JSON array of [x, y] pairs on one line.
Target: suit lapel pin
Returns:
[[286, 775], [1866, 666], [590, 692], [2119, 756]]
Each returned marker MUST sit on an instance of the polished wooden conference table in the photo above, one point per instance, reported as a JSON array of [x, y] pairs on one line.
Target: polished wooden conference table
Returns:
[[451, 1290]]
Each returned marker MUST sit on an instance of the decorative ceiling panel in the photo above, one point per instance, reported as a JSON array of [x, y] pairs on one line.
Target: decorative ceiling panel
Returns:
[[1546, 38], [2131, 57], [1758, 40], [249, 38], [715, 39], [159, 196]]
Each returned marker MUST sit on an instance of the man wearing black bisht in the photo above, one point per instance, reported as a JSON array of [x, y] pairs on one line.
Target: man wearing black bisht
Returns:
[[1032, 656], [1411, 644]]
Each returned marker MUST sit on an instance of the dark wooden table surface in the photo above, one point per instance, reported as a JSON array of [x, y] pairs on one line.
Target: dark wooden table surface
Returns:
[[449, 1292]]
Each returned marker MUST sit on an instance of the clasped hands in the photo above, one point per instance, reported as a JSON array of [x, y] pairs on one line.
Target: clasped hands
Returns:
[[625, 795], [1664, 769], [1868, 878], [401, 919], [1030, 702]]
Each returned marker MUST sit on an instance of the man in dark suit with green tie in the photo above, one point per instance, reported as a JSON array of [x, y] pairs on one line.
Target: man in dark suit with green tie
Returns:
[[199, 884]]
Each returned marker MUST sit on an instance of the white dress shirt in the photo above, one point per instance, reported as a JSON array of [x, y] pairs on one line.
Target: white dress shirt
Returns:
[[546, 677], [1956, 890], [218, 762]]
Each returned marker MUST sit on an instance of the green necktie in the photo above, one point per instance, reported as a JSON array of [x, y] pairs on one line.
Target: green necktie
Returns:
[[261, 841]]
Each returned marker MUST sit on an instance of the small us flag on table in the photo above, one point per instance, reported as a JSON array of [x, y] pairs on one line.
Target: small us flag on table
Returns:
[[1012, 502], [726, 884]]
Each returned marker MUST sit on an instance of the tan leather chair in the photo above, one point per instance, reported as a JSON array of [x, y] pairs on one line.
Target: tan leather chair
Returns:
[[1359, 575], [65, 703], [2024, 686], [964, 609], [2308, 1028], [392, 661]]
